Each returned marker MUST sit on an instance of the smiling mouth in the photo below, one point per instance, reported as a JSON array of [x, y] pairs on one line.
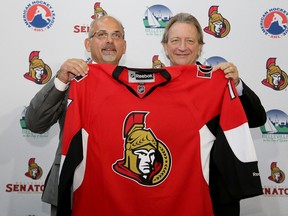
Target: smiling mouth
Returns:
[[182, 55], [108, 51]]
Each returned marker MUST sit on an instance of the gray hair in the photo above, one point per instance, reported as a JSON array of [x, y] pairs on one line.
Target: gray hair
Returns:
[[183, 18]]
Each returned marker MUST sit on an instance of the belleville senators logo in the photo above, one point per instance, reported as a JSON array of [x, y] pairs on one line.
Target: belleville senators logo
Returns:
[[275, 77], [34, 171], [146, 159], [39, 72], [277, 175], [218, 26]]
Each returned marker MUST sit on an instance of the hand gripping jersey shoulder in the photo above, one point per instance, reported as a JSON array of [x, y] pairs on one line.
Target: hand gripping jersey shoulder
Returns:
[[135, 140]]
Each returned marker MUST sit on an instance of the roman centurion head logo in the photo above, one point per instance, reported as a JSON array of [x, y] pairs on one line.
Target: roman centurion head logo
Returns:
[[34, 170], [98, 11], [156, 62], [276, 78], [39, 72], [218, 26], [146, 159], [277, 175]]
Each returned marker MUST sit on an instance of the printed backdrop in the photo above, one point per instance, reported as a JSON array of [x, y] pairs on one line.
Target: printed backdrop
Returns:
[[253, 35]]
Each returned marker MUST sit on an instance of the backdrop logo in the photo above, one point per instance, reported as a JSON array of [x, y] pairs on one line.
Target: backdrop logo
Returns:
[[35, 173], [34, 170], [277, 175], [156, 18], [213, 61], [27, 133], [274, 22], [98, 11], [156, 62], [276, 78], [219, 27], [276, 127], [39, 15], [39, 72]]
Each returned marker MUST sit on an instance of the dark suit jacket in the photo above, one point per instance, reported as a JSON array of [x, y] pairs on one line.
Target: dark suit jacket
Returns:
[[226, 184], [46, 108]]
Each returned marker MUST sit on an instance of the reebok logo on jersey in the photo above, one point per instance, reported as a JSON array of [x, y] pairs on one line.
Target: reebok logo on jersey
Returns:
[[136, 77]]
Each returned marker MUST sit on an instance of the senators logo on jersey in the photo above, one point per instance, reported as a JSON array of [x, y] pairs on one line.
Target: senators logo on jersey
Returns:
[[146, 159]]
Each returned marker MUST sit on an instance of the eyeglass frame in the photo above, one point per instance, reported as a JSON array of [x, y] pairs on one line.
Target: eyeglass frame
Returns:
[[106, 35]]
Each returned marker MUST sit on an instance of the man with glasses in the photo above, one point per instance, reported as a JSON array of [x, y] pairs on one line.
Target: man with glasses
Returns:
[[106, 44]]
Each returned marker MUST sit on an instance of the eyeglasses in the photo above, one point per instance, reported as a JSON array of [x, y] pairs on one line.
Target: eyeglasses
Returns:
[[103, 35]]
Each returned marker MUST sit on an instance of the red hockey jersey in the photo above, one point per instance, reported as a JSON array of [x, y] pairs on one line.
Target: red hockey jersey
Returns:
[[136, 141]]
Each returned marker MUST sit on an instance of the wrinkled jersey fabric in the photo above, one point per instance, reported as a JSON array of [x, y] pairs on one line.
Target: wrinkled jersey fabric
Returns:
[[180, 105]]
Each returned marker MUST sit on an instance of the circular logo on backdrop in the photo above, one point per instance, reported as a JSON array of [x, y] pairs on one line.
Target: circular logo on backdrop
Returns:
[[277, 123], [274, 22], [214, 60], [157, 16], [155, 19], [39, 15]]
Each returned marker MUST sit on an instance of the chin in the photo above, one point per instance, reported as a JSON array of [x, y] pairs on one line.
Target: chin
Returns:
[[181, 63], [109, 58]]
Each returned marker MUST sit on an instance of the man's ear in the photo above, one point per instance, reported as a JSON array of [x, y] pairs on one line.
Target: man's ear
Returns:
[[87, 42], [125, 46], [165, 50]]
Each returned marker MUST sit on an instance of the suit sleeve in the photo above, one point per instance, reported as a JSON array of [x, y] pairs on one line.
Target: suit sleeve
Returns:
[[46, 108], [254, 110]]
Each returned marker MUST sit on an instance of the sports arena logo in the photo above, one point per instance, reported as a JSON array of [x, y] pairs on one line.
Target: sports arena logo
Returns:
[[39, 15], [274, 23], [156, 18], [276, 78], [219, 27], [39, 72]]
